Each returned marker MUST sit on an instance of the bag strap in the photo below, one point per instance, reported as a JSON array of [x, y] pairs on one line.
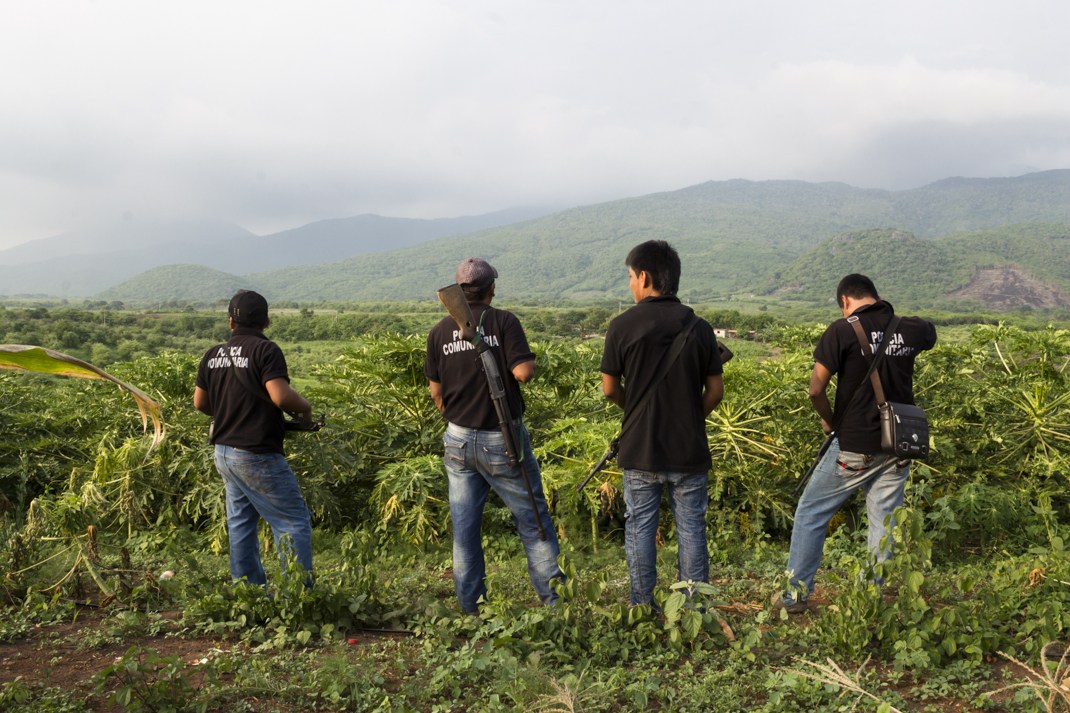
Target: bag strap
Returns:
[[872, 360], [663, 369]]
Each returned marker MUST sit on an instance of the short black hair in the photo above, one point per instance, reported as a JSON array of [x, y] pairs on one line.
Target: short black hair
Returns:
[[855, 286], [659, 260]]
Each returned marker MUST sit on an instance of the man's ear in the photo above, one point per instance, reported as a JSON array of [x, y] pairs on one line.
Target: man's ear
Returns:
[[644, 279]]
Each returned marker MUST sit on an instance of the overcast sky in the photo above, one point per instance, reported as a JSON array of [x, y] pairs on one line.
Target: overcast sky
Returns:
[[273, 114]]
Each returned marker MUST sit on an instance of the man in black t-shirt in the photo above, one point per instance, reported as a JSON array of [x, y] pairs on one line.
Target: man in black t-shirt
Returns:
[[476, 459], [665, 445], [854, 459], [245, 387]]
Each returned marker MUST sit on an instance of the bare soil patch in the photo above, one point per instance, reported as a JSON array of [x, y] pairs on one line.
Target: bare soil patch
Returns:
[[63, 655], [1010, 287]]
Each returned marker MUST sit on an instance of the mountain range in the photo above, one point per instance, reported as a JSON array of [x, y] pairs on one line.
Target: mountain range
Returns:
[[998, 243], [84, 262]]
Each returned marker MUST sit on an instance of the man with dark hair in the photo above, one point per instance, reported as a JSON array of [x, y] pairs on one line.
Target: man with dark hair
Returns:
[[245, 387], [476, 458], [664, 447], [854, 459]]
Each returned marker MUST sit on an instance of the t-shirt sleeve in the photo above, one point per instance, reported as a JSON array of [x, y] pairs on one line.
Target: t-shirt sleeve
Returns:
[[611, 356], [931, 336], [273, 364], [202, 372], [713, 365], [828, 351], [517, 349], [430, 362]]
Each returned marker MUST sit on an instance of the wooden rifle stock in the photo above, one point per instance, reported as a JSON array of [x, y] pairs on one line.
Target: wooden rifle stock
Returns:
[[453, 299]]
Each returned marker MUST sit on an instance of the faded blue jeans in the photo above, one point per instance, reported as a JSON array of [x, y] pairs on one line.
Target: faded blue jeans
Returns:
[[476, 463], [262, 485], [836, 478], [688, 497]]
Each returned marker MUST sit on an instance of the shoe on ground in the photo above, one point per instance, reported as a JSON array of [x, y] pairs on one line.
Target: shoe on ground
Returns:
[[792, 607], [1053, 651]]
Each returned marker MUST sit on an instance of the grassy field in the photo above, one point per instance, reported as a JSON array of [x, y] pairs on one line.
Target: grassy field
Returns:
[[115, 592]]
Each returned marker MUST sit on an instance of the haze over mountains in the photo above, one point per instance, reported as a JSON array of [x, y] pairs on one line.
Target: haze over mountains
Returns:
[[1001, 243], [83, 263]]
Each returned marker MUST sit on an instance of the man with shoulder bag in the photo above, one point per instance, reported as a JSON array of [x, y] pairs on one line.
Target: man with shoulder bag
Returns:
[[872, 380]]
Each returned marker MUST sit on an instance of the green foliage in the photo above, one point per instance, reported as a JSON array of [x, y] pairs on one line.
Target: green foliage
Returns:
[[146, 681], [298, 611], [87, 512], [16, 695]]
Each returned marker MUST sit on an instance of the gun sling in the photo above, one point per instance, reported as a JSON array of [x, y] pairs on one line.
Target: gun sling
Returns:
[[453, 299], [633, 415]]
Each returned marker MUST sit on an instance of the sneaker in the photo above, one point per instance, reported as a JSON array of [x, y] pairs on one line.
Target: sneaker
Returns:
[[791, 607], [1053, 651]]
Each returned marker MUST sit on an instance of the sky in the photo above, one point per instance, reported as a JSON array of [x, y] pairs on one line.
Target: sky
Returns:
[[273, 114]]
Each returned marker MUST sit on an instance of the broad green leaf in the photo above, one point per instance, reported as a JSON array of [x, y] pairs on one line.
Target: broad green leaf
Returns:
[[39, 360]]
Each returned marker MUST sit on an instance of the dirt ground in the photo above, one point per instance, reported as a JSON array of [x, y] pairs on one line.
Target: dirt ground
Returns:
[[58, 656], [61, 656], [55, 655]]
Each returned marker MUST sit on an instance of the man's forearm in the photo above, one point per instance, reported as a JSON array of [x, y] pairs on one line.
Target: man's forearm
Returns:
[[712, 395], [613, 389], [823, 407], [436, 395]]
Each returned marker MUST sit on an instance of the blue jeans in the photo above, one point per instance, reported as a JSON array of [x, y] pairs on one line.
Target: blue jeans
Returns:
[[836, 478], [688, 496], [262, 485], [476, 463]]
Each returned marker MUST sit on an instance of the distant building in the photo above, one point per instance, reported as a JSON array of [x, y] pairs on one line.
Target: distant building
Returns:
[[722, 332]]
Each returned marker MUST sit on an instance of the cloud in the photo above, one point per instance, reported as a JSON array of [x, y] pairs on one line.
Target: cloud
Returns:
[[274, 114]]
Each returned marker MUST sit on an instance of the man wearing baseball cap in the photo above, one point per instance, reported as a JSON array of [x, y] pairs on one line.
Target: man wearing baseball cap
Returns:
[[245, 387], [476, 458]]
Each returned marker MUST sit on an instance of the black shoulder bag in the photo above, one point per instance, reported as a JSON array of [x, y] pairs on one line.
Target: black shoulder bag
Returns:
[[872, 361], [904, 427], [663, 369]]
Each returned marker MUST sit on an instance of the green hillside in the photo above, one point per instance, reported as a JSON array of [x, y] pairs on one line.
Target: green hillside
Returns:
[[178, 284], [735, 237], [1018, 266]]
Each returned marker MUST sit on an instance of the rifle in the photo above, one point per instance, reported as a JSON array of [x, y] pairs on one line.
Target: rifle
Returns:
[[853, 319], [810, 471], [610, 455], [453, 299]]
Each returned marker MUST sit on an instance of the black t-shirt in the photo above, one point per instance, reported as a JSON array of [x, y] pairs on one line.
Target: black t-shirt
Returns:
[[670, 433], [838, 350], [230, 373], [455, 364]]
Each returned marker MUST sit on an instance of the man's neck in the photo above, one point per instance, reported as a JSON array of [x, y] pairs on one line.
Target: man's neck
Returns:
[[853, 304]]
